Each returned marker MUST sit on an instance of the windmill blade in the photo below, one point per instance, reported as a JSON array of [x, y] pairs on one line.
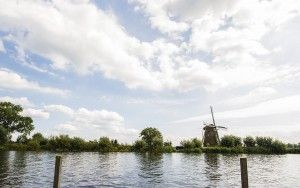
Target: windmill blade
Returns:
[[221, 127]]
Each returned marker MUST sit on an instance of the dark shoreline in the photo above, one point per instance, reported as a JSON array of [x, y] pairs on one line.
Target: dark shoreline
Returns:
[[216, 150]]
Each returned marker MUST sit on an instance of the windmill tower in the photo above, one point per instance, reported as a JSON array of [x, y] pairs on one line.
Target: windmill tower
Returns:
[[211, 136]]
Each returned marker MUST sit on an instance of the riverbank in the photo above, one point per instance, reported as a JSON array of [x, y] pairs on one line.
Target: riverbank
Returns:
[[129, 148]]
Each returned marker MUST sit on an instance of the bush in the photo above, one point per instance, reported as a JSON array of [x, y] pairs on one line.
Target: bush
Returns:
[[139, 146], [168, 149], [191, 146], [22, 139], [226, 150], [4, 135], [3, 148], [153, 139], [231, 141], [278, 147], [17, 147], [197, 143], [105, 144], [257, 150], [187, 144], [40, 139], [59, 143], [168, 143], [264, 142], [91, 145], [33, 145], [249, 141], [77, 144]]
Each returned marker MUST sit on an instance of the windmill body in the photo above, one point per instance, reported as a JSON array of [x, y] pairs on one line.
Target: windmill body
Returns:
[[211, 136]]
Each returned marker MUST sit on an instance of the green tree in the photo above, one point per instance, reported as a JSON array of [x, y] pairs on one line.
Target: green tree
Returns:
[[4, 135], [278, 147], [231, 141], [265, 142], [105, 145], [153, 139], [22, 139], [12, 120], [33, 145], [197, 142], [191, 146], [61, 143], [77, 144], [168, 148], [40, 139], [139, 146], [187, 144], [249, 141]]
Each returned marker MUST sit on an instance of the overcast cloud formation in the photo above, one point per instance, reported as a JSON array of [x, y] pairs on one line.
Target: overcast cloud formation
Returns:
[[90, 68]]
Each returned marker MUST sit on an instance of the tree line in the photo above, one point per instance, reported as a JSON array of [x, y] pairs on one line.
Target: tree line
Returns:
[[151, 140]]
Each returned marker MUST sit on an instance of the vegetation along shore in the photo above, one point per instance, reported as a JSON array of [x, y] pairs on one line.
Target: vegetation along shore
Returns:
[[151, 140]]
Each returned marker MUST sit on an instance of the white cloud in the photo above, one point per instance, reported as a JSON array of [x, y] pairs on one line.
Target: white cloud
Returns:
[[35, 113], [60, 109], [254, 96], [97, 118], [92, 42], [66, 128], [277, 106], [230, 33], [2, 49], [23, 101], [233, 35], [159, 18], [96, 42], [12, 80], [93, 123]]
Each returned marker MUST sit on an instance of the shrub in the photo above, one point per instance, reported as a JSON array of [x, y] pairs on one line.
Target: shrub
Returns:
[[92, 145], [191, 146], [249, 141], [33, 145], [17, 147], [153, 139], [22, 139], [168, 143], [4, 135], [278, 147], [139, 146], [231, 141], [187, 144], [264, 142], [197, 143], [77, 144], [168, 149], [60, 143], [105, 144]]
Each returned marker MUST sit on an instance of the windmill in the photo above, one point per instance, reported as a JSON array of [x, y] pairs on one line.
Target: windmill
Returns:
[[211, 136]]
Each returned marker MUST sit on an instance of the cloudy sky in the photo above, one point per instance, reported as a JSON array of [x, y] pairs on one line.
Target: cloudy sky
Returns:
[[111, 68]]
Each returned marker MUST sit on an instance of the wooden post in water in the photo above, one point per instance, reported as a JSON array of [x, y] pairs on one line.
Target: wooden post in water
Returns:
[[57, 170], [244, 172]]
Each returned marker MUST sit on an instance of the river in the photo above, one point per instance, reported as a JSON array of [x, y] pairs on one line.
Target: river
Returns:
[[92, 169]]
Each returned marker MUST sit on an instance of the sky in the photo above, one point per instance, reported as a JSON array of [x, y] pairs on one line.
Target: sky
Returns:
[[111, 68]]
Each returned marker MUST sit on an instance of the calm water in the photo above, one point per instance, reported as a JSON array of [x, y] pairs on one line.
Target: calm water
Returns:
[[88, 169]]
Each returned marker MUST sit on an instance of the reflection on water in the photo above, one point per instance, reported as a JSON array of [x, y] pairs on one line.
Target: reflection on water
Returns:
[[212, 171], [4, 167], [92, 169], [150, 169]]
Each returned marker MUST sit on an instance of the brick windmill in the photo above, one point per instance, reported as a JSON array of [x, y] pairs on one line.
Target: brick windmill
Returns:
[[211, 136]]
